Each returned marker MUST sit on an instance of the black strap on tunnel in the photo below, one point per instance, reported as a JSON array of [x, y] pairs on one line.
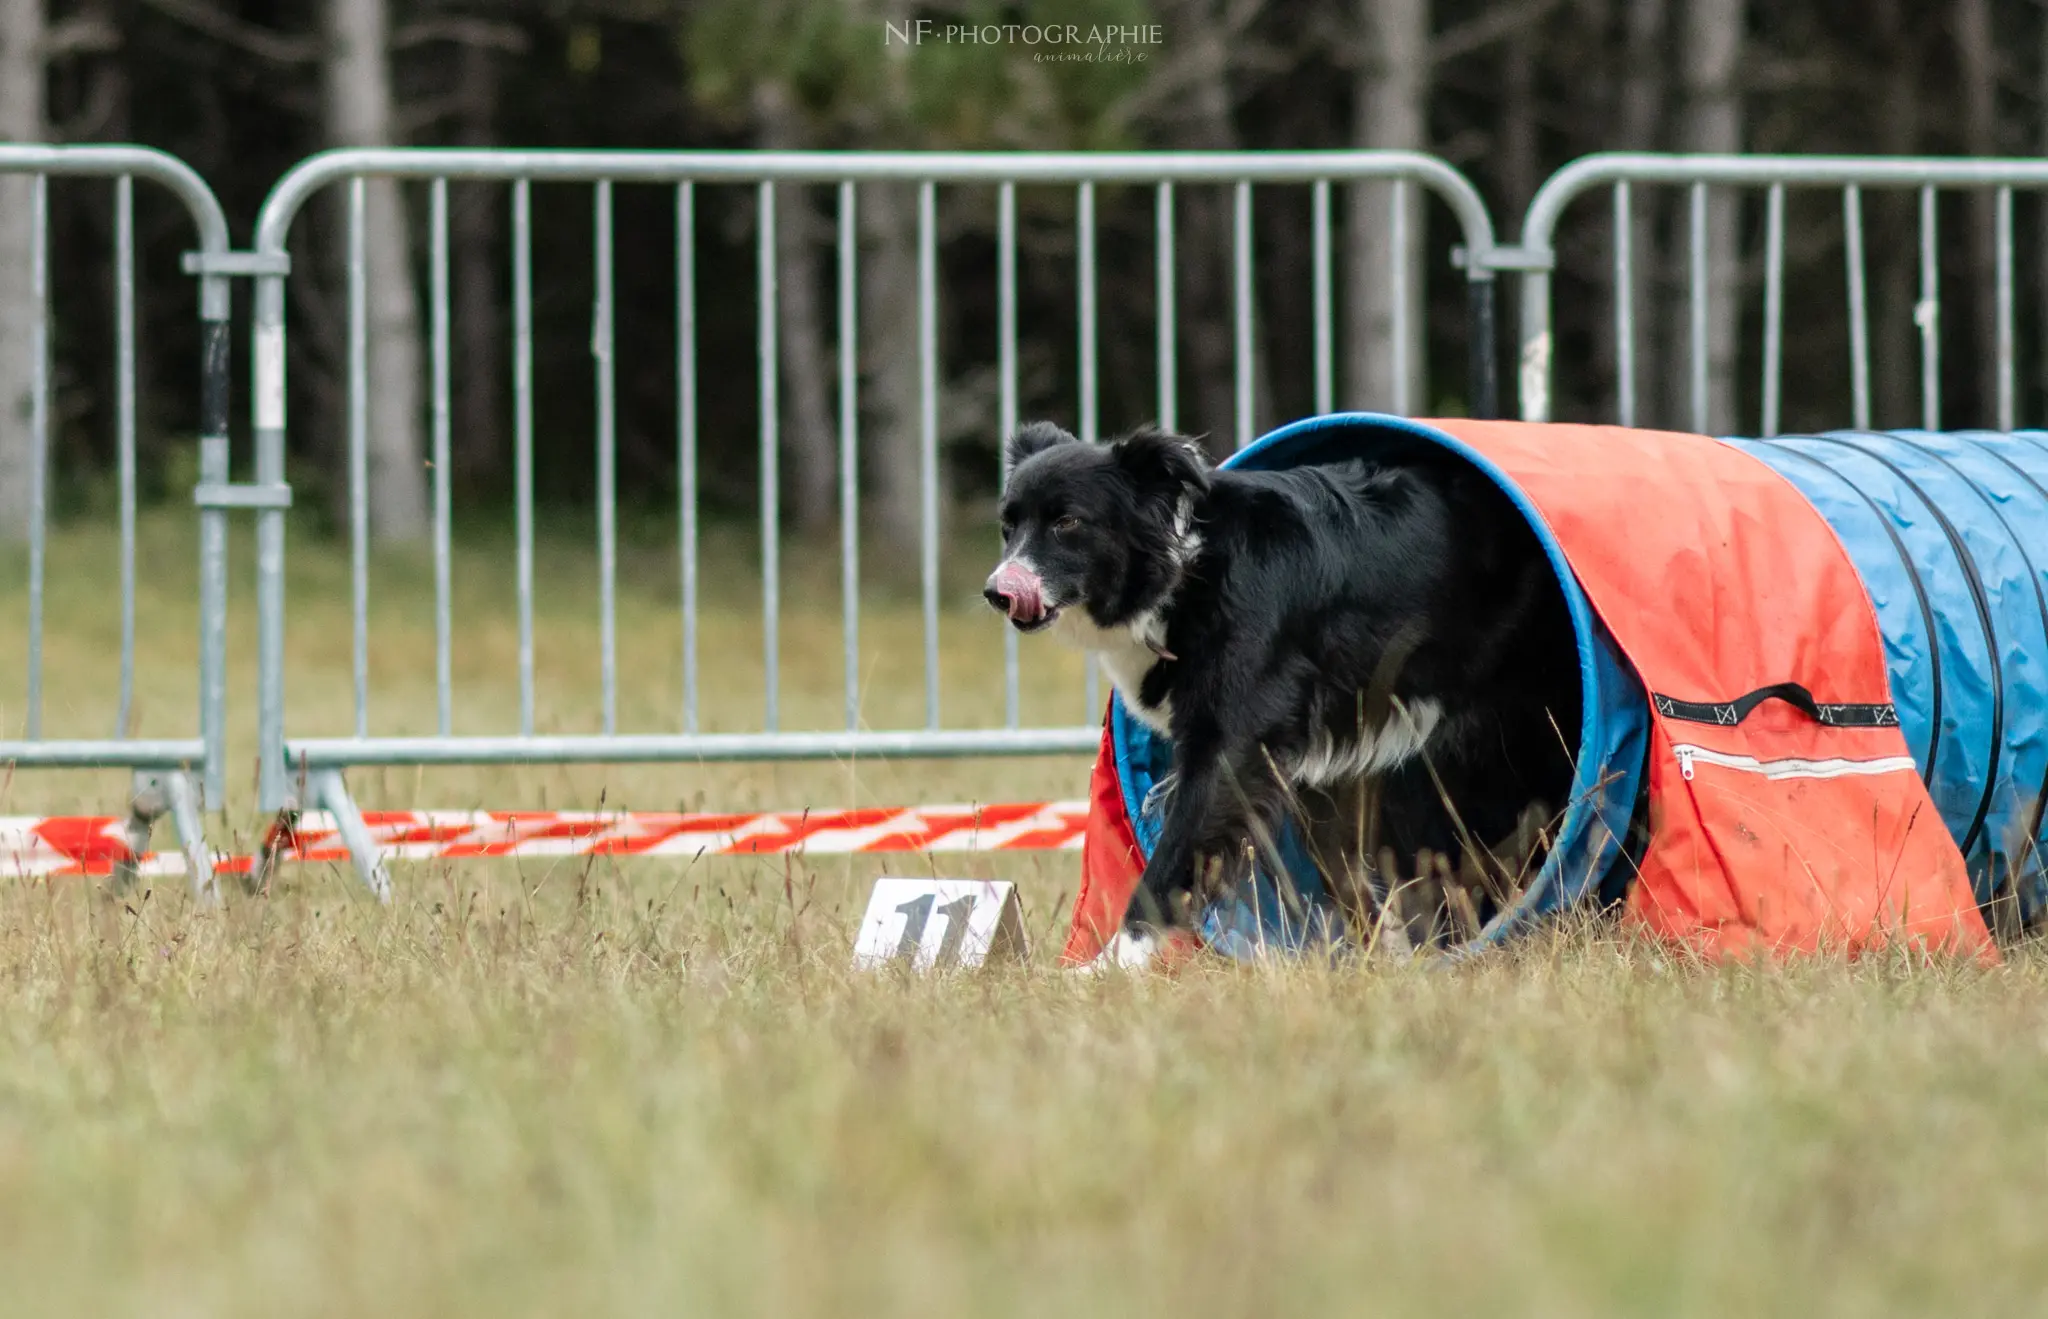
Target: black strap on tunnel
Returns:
[[1919, 595], [1983, 604], [1730, 713]]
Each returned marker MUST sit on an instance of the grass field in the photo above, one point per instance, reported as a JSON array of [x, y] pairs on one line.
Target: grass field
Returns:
[[653, 1087]]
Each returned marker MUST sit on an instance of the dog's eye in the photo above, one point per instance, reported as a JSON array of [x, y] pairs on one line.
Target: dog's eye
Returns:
[[1067, 525], [1009, 529]]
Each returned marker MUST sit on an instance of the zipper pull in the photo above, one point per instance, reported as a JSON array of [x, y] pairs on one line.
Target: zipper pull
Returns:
[[1685, 763]]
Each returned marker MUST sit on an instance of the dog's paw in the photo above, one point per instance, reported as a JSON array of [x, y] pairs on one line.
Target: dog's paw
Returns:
[[1143, 950]]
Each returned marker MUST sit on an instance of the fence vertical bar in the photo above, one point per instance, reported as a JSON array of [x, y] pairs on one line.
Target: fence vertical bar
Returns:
[[358, 450], [268, 405], [1696, 241], [522, 433], [1084, 282], [849, 447], [928, 433], [1624, 306], [1859, 307], [1482, 368], [215, 372], [124, 429], [444, 631], [1006, 418], [602, 348], [771, 445], [1398, 294], [358, 445], [1774, 307], [1927, 315], [1533, 358], [1325, 348], [686, 435], [1084, 299], [39, 444], [1241, 272], [1168, 328], [2008, 409]]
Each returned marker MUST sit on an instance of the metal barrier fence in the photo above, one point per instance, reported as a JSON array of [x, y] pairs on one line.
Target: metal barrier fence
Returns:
[[165, 778], [165, 767], [1536, 257], [322, 760]]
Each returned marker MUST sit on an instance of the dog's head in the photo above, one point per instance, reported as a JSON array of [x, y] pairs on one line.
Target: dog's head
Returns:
[[1102, 527]]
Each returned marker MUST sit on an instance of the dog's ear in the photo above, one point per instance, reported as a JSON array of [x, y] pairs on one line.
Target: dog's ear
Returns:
[[1034, 438], [1160, 461]]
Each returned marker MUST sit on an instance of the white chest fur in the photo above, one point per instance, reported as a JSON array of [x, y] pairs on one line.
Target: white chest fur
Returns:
[[1127, 655], [1129, 650]]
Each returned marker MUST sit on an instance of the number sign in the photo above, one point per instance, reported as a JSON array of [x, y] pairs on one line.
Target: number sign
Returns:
[[933, 924]]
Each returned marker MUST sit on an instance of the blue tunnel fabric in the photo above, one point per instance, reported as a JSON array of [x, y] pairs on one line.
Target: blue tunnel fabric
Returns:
[[1613, 735], [1949, 534]]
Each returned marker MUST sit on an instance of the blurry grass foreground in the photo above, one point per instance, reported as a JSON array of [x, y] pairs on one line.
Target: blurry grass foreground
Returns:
[[641, 1092]]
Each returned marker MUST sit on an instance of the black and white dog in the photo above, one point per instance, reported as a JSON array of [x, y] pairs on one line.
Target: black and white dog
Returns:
[[1310, 640]]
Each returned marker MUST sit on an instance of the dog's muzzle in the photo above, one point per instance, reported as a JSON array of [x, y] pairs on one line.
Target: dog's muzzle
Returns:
[[1016, 590]]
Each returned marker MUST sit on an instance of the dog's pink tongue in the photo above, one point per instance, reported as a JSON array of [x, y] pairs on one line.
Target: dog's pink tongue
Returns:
[[1024, 591]]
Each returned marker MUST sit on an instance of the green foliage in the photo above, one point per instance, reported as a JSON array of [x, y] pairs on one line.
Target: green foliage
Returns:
[[827, 55]]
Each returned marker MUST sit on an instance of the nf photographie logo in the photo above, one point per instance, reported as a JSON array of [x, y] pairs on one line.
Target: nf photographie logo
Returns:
[[1094, 43]]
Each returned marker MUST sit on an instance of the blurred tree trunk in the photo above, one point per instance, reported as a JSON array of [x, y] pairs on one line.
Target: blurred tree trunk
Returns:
[[1894, 349], [1979, 66], [1642, 123], [1709, 58], [1389, 108], [809, 437], [21, 120], [1519, 157], [360, 112], [481, 440], [889, 372], [1202, 117], [1632, 100]]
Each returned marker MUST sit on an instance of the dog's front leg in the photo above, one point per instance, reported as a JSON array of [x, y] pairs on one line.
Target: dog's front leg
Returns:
[[1163, 906]]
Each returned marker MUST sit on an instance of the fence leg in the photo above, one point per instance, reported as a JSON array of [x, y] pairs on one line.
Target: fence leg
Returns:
[[175, 795], [146, 803], [185, 816], [330, 794]]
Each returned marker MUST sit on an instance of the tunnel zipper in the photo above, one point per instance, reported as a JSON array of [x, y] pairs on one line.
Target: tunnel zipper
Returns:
[[1790, 768]]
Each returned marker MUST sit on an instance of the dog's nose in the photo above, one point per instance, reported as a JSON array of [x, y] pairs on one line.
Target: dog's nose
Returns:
[[1015, 589]]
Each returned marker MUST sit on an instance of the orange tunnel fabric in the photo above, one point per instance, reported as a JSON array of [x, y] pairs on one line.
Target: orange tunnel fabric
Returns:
[[1775, 826]]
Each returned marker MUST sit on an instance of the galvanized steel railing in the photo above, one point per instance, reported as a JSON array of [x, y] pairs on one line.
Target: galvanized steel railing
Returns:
[[322, 759], [1536, 257], [165, 766]]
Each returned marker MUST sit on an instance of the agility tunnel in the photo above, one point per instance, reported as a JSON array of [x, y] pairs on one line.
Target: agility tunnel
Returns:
[[1813, 688]]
